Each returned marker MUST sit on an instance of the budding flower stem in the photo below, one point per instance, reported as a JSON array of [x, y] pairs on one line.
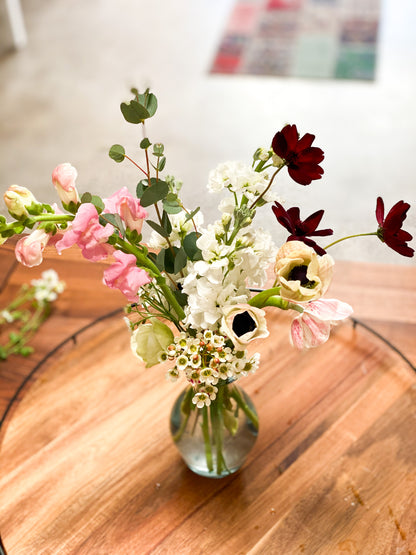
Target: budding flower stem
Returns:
[[350, 237], [268, 186], [146, 263]]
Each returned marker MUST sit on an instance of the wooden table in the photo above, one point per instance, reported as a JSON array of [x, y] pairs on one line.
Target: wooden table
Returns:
[[88, 466]]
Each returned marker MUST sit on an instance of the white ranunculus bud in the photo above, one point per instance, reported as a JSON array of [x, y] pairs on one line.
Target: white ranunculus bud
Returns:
[[149, 341]]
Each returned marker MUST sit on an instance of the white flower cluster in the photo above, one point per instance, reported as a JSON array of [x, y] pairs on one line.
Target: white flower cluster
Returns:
[[240, 179], [205, 359], [48, 287], [226, 272]]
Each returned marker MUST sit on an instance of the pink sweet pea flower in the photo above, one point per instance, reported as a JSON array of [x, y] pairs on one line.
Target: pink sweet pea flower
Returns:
[[313, 326], [63, 178], [125, 275], [127, 207], [29, 249], [87, 232]]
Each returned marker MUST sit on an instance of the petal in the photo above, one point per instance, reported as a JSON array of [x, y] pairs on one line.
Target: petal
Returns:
[[329, 309], [396, 216], [380, 211], [305, 173], [311, 223], [309, 155], [305, 142], [279, 145], [291, 135]]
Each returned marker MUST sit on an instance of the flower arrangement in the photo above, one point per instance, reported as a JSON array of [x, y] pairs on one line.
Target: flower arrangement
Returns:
[[29, 309], [204, 280]]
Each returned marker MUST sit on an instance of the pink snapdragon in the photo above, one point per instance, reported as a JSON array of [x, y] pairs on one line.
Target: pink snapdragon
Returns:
[[87, 232], [313, 326], [127, 207], [63, 178], [29, 249], [125, 275]]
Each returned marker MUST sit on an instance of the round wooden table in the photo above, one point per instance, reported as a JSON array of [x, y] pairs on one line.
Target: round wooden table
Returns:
[[88, 466]]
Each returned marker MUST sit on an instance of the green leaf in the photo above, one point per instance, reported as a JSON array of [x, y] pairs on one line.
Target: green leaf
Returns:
[[117, 153], [190, 247], [156, 192], [115, 220], [182, 298], [161, 164], [141, 187], [180, 261], [166, 223], [149, 101], [171, 204], [160, 260], [98, 203], [145, 143], [134, 112], [86, 197], [158, 228], [192, 214]]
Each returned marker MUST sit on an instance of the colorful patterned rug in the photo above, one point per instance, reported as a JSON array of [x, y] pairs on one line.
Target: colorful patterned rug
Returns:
[[335, 39]]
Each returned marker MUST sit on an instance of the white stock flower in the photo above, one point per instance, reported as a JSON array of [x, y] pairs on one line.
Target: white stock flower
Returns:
[[239, 178]]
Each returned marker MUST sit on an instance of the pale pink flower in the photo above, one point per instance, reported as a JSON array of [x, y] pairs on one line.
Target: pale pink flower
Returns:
[[127, 207], [29, 249], [125, 275], [63, 178], [312, 327], [87, 232]]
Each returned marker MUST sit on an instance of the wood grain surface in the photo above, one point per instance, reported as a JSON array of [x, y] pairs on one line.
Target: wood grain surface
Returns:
[[87, 465]]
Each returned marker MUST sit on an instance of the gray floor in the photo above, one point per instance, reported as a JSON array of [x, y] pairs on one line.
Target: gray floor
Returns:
[[60, 96]]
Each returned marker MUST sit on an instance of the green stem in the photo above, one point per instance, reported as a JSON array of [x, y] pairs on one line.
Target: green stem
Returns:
[[186, 412], [350, 237], [267, 188], [55, 218], [217, 428], [145, 262], [207, 439], [235, 393]]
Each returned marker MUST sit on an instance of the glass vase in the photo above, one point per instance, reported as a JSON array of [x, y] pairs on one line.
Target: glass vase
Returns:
[[215, 440]]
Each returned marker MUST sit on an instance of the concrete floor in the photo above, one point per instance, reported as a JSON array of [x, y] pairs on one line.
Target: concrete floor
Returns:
[[60, 96]]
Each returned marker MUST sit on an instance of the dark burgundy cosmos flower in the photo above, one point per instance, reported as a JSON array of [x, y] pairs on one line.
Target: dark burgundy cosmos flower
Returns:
[[390, 231], [301, 158], [300, 231]]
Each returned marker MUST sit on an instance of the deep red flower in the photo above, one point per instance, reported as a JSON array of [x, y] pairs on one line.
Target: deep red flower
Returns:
[[301, 158], [390, 227], [300, 230]]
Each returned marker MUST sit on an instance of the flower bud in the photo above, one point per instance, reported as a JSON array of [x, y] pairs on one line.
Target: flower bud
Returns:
[[63, 179], [18, 200], [150, 340], [29, 249]]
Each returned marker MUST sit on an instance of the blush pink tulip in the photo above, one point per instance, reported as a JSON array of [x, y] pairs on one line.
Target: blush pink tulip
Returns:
[[127, 207], [313, 326], [125, 275], [29, 249], [87, 232], [63, 179]]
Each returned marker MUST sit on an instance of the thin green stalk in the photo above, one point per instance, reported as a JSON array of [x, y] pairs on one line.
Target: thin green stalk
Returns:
[[268, 187], [186, 412], [235, 393], [207, 438], [145, 262], [350, 237]]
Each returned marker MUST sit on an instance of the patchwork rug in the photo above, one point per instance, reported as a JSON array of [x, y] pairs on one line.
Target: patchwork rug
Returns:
[[334, 39]]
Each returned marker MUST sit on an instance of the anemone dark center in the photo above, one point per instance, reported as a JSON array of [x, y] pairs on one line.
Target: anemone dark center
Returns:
[[243, 323], [298, 273]]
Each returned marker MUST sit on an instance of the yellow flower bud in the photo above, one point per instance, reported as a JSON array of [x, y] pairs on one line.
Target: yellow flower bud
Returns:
[[17, 199]]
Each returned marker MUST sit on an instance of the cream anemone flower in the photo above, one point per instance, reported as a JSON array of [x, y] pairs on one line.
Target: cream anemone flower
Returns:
[[302, 274], [242, 323]]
